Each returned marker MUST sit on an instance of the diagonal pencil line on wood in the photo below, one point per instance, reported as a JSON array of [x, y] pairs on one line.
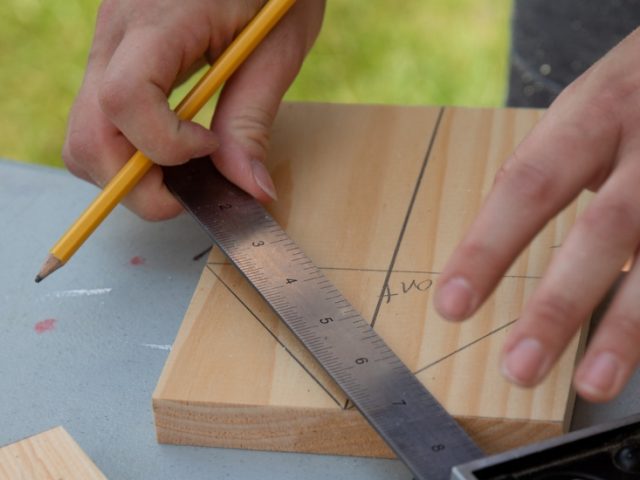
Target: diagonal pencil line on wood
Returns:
[[455, 352], [370, 156], [203, 253], [464, 347], [286, 349], [403, 229]]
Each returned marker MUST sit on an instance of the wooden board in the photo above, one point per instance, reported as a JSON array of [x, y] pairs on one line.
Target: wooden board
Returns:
[[52, 455], [377, 196]]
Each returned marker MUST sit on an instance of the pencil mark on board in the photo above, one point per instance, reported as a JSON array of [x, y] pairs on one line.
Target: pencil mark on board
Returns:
[[350, 405], [464, 347], [404, 288], [202, 254]]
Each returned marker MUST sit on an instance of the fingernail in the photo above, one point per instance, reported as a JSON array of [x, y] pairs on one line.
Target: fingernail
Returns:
[[600, 375], [455, 299], [263, 179], [526, 363]]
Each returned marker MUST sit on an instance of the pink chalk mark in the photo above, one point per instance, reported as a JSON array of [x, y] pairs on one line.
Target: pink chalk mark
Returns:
[[45, 325], [137, 261]]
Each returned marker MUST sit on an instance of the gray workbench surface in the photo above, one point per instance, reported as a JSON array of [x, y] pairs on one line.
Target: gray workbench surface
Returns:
[[85, 348]]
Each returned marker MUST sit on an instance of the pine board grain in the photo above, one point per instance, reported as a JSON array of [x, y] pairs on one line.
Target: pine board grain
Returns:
[[52, 455], [378, 197]]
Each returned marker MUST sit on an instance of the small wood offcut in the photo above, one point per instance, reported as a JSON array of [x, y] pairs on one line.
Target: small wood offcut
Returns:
[[378, 197], [52, 455]]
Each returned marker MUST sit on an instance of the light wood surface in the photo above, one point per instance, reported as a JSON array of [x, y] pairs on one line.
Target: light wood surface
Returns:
[[52, 455], [378, 197]]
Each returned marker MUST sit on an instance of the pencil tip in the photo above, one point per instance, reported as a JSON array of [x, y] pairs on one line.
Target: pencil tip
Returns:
[[50, 265]]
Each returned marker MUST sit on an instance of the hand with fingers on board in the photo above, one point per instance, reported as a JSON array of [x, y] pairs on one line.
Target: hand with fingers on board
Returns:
[[141, 50], [588, 139]]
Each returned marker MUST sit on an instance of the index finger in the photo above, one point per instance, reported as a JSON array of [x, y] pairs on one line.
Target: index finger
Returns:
[[561, 156], [134, 94]]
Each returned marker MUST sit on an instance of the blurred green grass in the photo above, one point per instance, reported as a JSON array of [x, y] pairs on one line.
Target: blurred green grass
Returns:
[[451, 52]]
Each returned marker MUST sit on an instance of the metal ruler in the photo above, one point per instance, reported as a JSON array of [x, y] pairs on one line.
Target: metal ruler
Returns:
[[412, 422]]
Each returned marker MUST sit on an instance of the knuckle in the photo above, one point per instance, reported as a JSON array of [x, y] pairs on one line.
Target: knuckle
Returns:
[[168, 147], [627, 326], [113, 96], [77, 147], [555, 313], [475, 251], [474, 248], [527, 180], [253, 125], [610, 216]]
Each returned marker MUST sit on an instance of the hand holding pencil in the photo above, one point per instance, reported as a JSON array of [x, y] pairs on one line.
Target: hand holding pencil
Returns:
[[140, 51]]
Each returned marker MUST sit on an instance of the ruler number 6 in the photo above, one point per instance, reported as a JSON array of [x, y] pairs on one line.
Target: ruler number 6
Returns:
[[437, 448]]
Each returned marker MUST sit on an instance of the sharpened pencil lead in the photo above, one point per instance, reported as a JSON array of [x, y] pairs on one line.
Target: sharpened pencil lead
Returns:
[[50, 265]]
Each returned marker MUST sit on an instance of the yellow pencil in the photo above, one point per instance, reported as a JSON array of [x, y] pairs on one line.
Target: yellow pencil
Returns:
[[139, 164]]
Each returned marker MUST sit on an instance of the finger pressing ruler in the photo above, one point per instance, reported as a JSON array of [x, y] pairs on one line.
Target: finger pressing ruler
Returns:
[[410, 420]]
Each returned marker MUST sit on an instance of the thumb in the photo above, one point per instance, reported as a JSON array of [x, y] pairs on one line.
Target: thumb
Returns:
[[247, 107]]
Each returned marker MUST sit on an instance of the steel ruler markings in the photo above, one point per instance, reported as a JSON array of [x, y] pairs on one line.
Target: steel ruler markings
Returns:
[[275, 337], [412, 422]]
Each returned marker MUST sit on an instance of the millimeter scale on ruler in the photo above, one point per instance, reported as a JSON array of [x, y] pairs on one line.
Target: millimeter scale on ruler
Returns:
[[412, 422]]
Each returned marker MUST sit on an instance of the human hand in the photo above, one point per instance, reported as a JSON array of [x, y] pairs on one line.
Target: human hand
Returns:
[[141, 49], [587, 139]]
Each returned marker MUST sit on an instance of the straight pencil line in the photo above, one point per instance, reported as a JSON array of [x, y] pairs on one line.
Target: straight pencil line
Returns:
[[464, 347], [382, 270], [412, 202], [253, 314]]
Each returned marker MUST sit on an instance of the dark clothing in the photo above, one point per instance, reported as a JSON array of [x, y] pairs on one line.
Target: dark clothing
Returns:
[[554, 41]]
